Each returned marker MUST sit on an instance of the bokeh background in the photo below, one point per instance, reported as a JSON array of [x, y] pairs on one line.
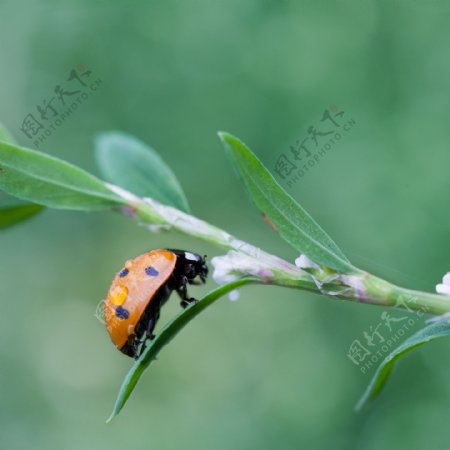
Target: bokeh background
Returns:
[[270, 370]]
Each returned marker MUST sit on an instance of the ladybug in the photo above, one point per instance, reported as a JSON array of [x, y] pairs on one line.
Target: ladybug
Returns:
[[138, 291]]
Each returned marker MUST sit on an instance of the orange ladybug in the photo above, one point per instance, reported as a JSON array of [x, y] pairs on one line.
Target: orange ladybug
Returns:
[[138, 291]]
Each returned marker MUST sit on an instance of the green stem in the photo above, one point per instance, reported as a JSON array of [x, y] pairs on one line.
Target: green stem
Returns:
[[150, 212], [359, 287], [376, 291], [384, 293]]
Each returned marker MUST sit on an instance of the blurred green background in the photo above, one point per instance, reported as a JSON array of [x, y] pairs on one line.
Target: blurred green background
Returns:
[[270, 370]]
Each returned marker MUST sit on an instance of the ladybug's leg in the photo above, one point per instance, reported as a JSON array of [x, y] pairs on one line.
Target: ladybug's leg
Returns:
[[196, 282], [182, 292], [143, 347], [136, 352], [148, 334], [139, 351], [150, 327]]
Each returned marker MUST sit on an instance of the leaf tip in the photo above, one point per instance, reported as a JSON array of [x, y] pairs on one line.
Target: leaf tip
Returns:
[[222, 135], [228, 139]]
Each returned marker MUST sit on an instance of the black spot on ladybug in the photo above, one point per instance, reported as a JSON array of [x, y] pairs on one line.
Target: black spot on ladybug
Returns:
[[151, 271], [122, 313], [123, 273]]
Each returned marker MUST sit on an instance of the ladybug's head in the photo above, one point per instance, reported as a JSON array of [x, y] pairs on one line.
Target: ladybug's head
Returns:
[[191, 265], [202, 269], [198, 267]]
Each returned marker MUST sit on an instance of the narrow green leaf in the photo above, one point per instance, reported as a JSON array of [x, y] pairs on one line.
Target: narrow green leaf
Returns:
[[12, 214], [128, 162], [294, 224], [423, 336], [169, 331], [43, 179]]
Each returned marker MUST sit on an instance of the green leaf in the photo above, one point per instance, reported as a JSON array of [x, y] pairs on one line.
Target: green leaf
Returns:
[[15, 212], [128, 162], [294, 224], [12, 214], [423, 336], [169, 331], [43, 179]]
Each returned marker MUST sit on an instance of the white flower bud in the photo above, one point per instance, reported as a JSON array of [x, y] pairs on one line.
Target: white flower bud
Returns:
[[446, 279], [444, 287], [356, 283], [303, 262]]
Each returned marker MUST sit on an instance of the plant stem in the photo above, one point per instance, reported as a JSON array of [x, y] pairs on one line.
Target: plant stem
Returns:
[[376, 291], [384, 293], [361, 286], [148, 210]]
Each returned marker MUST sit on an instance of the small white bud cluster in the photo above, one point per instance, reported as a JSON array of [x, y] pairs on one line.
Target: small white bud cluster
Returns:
[[235, 265], [444, 287], [303, 262]]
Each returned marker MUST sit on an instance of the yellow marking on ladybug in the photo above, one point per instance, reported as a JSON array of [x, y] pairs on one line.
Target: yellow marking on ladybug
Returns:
[[118, 295]]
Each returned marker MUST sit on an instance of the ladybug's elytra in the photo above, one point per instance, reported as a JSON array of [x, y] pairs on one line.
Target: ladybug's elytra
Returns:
[[138, 291]]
